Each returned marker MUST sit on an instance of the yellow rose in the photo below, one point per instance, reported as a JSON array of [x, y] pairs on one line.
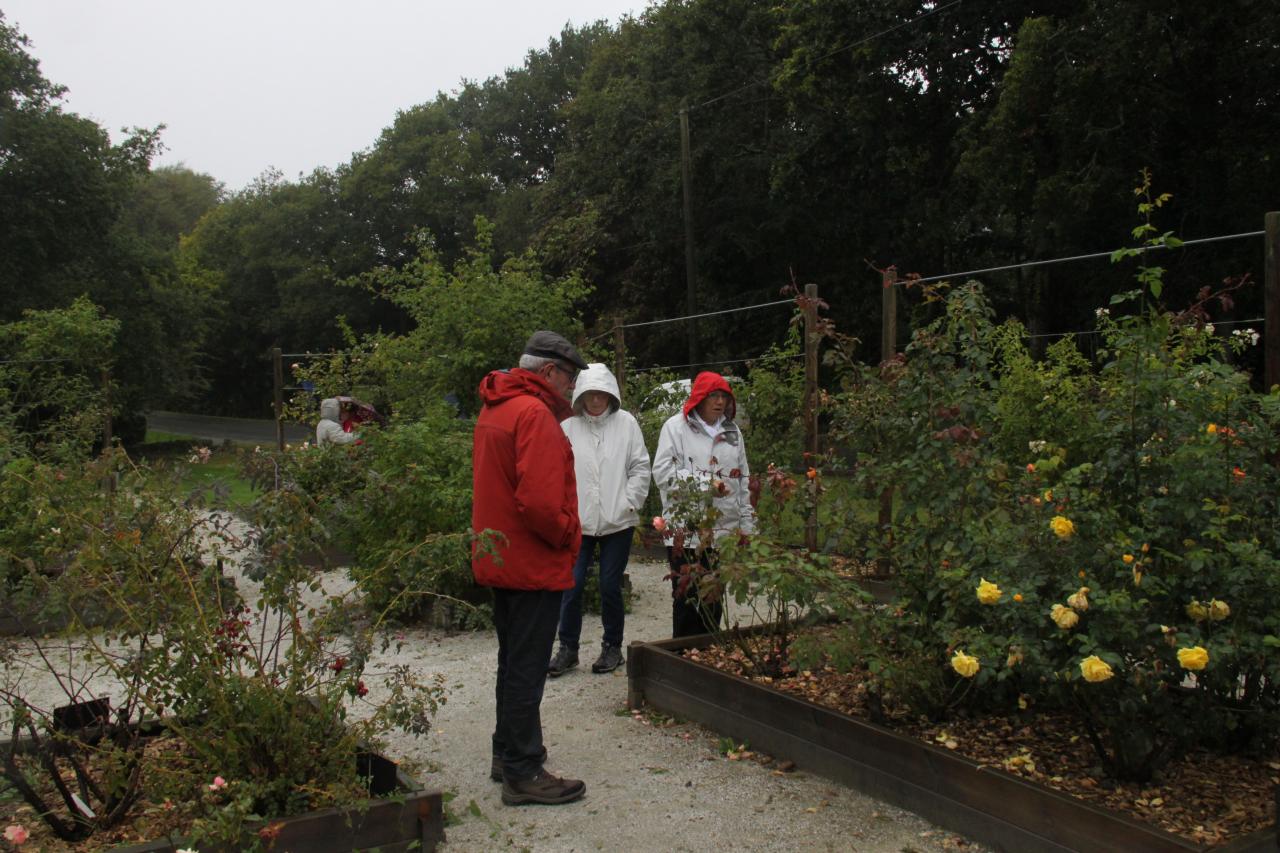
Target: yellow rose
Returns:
[[1014, 658], [1218, 610], [1079, 600], [1062, 527], [1048, 495], [1095, 669], [1065, 617], [1194, 658], [988, 593], [1128, 558], [966, 665], [1212, 429], [1197, 611]]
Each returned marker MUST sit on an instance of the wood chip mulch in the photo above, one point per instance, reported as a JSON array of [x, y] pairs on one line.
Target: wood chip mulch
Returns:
[[1209, 799]]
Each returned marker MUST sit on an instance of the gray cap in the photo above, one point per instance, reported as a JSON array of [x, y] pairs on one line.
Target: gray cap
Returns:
[[546, 344]]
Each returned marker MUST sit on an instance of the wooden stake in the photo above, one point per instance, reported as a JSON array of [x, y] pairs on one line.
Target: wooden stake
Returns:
[[811, 406], [277, 375]]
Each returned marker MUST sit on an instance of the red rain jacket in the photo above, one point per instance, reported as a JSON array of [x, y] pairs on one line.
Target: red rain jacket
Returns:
[[522, 476]]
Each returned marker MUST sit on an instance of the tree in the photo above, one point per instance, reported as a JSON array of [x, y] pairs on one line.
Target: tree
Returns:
[[468, 320], [64, 188]]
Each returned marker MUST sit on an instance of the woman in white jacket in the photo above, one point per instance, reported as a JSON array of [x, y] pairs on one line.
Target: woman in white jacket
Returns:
[[329, 430], [611, 465], [701, 456]]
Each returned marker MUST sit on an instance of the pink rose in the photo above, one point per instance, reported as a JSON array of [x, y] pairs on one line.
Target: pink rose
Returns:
[[218, 783], [16, 833], [659, 524]]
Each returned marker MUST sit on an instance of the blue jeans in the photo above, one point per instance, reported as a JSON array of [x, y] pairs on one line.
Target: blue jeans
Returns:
[[614, 551], [526, 624]]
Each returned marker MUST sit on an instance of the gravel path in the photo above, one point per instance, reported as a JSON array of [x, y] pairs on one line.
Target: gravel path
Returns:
[[651, 786]]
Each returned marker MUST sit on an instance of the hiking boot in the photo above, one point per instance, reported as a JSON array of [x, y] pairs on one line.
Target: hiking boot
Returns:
[[542, 788], [564, 660], [495, 770], [609, 660]]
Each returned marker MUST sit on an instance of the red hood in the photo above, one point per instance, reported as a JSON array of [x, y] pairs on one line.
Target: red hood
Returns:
[[502, 385], [703, 384]]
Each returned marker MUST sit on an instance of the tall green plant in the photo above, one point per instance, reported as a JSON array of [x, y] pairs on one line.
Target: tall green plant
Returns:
[[1096, 538]]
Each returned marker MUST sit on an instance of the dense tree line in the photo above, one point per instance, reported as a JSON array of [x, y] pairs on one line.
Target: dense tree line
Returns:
[[826, 138]]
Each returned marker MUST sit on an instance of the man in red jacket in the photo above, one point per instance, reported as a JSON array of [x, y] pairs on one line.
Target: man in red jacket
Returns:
[[524, 489]]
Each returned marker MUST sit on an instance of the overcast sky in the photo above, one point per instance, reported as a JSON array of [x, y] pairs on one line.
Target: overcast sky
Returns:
[[244, 85]]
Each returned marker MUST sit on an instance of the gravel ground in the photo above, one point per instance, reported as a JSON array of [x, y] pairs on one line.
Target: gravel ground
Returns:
[[650, 787]]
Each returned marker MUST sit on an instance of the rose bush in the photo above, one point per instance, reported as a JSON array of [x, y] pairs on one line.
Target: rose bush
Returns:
[[1127, 490], [253, 695], [1096, 536], [399, 505]]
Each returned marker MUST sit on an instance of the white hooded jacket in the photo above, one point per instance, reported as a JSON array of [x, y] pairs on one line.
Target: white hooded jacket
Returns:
[[610, 460], [328, 430], [690, 451]]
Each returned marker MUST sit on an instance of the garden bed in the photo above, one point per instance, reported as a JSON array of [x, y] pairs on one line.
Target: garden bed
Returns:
[[400, 815], [976, 798]]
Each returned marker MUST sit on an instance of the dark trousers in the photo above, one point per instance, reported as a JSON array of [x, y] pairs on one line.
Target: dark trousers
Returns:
[[526, 623], [689, 616], [615, 548]]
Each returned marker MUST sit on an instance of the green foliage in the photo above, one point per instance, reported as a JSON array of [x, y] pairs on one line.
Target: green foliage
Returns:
[[468, 321], [53, 400], [399, 504], [774, 400], [1124, 498], [252, 692]]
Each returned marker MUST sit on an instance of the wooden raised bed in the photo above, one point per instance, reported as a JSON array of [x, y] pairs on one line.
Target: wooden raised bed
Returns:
[[982, 803], [405, 818], [402, 817]]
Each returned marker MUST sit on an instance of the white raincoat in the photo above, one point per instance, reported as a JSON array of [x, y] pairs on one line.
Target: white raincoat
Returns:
[[329, 431], [688, 452], [610, 460]]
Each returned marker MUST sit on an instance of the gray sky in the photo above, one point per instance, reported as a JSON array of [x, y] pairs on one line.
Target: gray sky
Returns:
[[243, 85]]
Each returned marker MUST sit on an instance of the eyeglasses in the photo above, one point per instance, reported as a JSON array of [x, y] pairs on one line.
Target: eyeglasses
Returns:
[[718, 395], [572, 374]]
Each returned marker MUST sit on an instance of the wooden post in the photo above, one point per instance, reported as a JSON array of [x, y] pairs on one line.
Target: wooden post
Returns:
[[1271, 298], [811, 406], [690, 266], [277, 374], [620, 356], [888, 313], [888, 349]]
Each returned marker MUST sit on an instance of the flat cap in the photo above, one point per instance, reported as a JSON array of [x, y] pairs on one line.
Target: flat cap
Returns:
[[546, 344]]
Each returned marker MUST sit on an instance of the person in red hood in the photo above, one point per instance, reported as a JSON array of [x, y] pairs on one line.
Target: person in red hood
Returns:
[[524, 490], [701, 454]]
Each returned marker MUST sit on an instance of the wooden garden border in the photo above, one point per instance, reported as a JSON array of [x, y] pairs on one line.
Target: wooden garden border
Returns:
[[408, 819], [985, 804], [402, 817]]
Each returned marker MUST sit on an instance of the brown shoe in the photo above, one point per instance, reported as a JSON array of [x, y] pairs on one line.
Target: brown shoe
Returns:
[[495, 768], [542, 788]]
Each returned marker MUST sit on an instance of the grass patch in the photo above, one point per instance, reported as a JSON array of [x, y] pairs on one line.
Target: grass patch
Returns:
[[219, 480], [154, 436]]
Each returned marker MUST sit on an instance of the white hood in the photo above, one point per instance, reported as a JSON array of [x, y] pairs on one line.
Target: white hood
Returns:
[[610, 461], [597, 377]]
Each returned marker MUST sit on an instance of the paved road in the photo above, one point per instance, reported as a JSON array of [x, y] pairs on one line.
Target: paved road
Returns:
[[217, 430]]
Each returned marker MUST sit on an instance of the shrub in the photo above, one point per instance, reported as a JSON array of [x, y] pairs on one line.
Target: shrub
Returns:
[[252, 696], [1142, 499], [399, 504], [1064, 534]]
